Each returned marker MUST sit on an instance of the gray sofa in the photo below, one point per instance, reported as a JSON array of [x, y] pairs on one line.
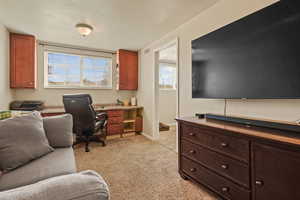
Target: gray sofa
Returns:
[[54, 176]]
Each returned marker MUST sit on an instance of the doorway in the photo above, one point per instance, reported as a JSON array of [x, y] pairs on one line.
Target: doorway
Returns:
[[166, 94]]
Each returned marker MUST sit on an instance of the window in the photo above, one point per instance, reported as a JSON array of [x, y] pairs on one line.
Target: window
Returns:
[[77, 71], [167, 76]]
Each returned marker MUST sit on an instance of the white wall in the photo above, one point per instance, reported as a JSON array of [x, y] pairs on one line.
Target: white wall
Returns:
[[6, 94], [217, 16], [53, 97], [167, 106]]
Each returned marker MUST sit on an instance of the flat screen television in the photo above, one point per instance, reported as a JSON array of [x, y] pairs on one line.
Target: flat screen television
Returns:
[[256, 57]]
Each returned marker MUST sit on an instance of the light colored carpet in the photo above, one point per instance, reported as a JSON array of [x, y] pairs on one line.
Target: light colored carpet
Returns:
[[168, 138], [136, 168]]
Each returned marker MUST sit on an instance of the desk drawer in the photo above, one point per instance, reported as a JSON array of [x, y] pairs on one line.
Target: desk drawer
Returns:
[[229, 145], [115, 129], [115, 113], [115, 120], [220, 185], [230, 168]]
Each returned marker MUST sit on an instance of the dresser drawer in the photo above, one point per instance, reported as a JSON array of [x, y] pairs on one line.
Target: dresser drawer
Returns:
[[235, 170], [229, 145], [220, 185], [115, 120], [115, 113]]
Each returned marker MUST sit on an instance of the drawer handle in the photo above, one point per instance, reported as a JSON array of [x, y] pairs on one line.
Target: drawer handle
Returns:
[[225, 189], [223, 144], [192, 151], [224, 166], [193, 169], [192, 134], [259, 183]]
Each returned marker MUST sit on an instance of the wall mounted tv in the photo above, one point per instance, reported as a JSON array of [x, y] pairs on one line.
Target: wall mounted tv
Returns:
[[256, 57]]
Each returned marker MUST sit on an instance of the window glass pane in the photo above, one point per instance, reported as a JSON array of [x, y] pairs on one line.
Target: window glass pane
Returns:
[[78, 71], [63, 69], [96, 72], [73, 72], [167, 76], [56, 75]]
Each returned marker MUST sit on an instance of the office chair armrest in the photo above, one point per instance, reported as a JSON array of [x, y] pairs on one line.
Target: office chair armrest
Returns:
[[101, 116]]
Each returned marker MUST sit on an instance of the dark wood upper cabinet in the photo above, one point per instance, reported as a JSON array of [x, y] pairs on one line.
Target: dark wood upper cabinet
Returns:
[[276, 173], [22, 61], [127, 70]]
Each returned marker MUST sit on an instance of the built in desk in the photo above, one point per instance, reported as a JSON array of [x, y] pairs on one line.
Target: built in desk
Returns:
[[121, 119]]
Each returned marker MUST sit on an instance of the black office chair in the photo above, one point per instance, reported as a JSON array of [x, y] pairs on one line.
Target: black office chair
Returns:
[[86, 122]]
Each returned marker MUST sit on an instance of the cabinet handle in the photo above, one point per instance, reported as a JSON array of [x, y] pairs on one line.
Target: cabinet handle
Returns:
[[259, 183], [223, 144], [224, 166], [192, 134], [225, 189], [193, 169], [192, 151]]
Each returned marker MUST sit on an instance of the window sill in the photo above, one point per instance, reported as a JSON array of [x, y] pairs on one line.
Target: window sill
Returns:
[[78, 88], [166, 89]]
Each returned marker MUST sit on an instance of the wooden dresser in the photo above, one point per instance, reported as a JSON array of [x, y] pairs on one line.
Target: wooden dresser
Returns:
[[240, 163]]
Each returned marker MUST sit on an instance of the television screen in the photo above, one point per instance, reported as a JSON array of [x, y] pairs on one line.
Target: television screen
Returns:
[[255, 57]]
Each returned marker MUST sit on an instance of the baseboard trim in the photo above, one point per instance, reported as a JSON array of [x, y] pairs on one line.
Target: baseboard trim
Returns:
[[170, 124], [148, 136]]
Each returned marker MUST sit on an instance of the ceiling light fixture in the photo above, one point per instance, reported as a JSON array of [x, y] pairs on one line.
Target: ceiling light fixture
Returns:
[[84, 29]]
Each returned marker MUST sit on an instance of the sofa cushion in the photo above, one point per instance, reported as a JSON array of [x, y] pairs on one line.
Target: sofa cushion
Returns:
[[22, 139], [61, 161], [59, 130], [87, 185]]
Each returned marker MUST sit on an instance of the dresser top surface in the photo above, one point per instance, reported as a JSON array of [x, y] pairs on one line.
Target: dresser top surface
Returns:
[[275, 135]]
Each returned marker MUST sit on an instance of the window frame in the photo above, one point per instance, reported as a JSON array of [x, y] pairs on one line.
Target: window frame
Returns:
[[83, 55], [170, 64]]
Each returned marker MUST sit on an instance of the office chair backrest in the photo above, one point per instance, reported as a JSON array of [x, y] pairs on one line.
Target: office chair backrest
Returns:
[[80, 107]]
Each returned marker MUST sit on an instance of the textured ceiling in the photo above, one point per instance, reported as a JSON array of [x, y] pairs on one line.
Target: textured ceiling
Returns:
[[127, 24]]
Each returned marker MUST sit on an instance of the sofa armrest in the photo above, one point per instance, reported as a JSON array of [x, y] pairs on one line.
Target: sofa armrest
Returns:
[[86, 185], [59, 130]]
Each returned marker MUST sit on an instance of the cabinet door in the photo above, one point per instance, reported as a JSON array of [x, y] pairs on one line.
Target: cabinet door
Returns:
[[276, 173], [22, 61], [115, 129], [128, 70], [139, 124]]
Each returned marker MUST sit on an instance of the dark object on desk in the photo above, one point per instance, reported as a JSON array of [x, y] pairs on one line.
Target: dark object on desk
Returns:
[[119, 102], [26, 105], [200, 115], [86, 122]]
